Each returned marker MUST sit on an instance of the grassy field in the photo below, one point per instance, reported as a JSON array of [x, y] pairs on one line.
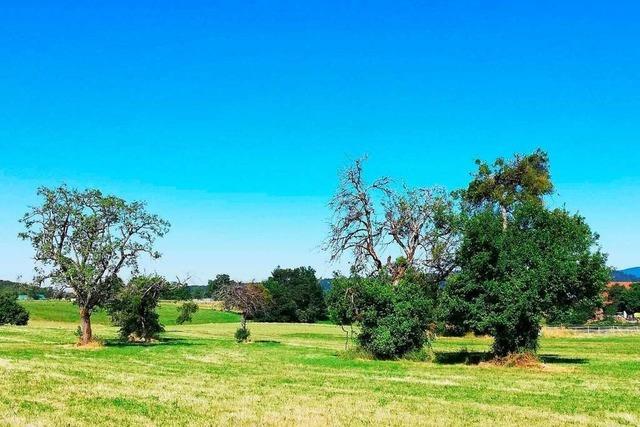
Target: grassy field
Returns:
[[66, 312], [296, 375]]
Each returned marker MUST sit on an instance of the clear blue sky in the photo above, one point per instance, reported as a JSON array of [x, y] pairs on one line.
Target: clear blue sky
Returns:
[[232, 120]]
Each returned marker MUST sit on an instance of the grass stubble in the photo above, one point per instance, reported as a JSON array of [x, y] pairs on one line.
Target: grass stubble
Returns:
[[296, 374]]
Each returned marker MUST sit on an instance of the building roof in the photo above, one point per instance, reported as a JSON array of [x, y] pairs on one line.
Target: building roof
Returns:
[[623, 284]]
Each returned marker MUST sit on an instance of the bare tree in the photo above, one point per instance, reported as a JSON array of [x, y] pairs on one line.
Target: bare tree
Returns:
[[83, 239], [248, 298], [419, 225]]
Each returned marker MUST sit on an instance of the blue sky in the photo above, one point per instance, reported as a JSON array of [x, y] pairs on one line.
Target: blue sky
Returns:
[[233, 120]]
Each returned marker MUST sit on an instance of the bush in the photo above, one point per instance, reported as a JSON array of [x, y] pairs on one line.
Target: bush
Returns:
[[242, 334], [393, 319], [133, 309], [187, 310], [11, 312]]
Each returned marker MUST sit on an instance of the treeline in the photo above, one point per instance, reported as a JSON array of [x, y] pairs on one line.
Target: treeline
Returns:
[[292, 294], [31, 291], [623, 299]]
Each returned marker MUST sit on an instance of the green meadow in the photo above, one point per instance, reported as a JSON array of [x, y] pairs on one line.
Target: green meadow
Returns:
[[298, 374]]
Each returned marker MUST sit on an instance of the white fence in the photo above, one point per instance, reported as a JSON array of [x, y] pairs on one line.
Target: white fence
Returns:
[[604, 329]]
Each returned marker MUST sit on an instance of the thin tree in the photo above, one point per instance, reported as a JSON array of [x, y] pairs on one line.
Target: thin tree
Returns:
[[248, 298], [83, 239]]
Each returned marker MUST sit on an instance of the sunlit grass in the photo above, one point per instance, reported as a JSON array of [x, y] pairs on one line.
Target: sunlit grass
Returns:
[[296, 374]]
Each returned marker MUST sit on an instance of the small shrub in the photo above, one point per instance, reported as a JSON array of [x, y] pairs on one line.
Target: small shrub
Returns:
[[242, 334], [11, 312], [187, 310]]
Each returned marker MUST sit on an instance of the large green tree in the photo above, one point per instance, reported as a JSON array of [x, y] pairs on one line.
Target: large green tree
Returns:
[[543, 263], [83, 239]]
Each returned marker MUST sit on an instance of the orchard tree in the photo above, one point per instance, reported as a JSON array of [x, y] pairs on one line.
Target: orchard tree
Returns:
[[248, 298], [133, 308], [544, 262], [506, 183], [83, 239], [420, 225], [186, 312]]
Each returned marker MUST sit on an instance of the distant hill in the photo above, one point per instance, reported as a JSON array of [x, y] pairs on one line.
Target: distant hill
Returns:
[[627, 275]]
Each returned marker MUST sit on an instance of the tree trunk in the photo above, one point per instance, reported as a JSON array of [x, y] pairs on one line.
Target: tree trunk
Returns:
[[243, 322], [85, 319]]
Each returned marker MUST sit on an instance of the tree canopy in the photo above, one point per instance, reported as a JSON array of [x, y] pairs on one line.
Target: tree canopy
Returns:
[[83, 239], [505, 183], [296, 296], [545, 262]]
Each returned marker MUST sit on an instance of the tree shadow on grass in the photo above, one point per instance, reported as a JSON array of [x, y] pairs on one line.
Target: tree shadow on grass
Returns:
[[554, 358], [465, 357], [462, 357], [160, 342], [267, 342]]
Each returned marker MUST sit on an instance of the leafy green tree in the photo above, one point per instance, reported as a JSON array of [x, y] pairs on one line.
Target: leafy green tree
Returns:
[[176, 292], [296, 296], [506, 183], [214, 285], [393, 320], [509, 279], [186, 310], [11, 312], [83, 239], [622, 299], [133, 309]]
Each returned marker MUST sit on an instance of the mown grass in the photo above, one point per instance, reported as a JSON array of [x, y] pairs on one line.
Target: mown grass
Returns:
[[296, 375]]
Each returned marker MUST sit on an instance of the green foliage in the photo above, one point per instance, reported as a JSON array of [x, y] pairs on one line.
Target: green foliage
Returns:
[[621, 299], [11, 312], [296, 296], [175, 293], [133, 309], [542, 264], [242, 334], [393, 320], [34, 292], [187, 310], [523, 179], [213, 286], [82, 239]]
